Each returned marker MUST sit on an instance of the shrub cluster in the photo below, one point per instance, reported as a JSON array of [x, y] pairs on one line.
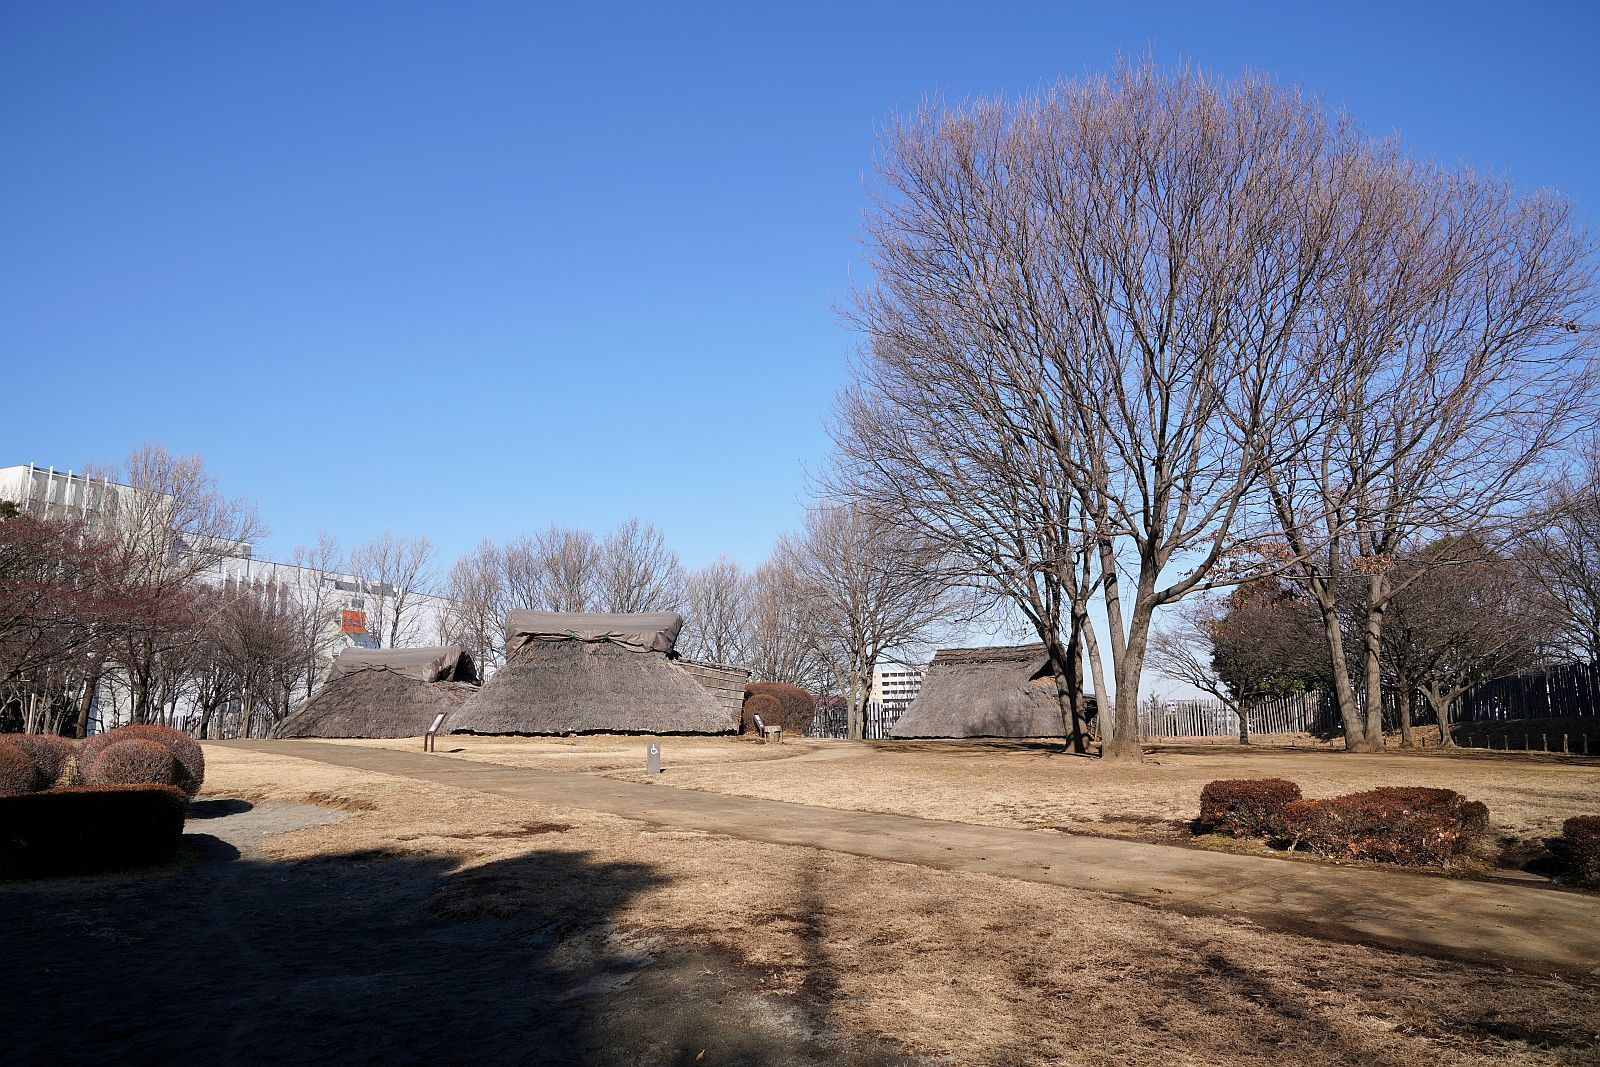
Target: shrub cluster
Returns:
[[186, 751], [1412, 826], [798, 708], [85, 829], [764, 705], [1581, 836], [51, 755], [1246, 807], [133, 761], [17, 772]]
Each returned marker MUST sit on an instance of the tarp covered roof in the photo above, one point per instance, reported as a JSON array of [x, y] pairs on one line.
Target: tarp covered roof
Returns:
[[439, 663], [650, 631]]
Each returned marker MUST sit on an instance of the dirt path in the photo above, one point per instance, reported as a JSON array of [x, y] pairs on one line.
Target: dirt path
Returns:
[[1530, 928]]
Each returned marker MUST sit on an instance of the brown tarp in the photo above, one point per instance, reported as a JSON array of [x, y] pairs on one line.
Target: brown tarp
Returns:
[[435, 664], [650, 631]]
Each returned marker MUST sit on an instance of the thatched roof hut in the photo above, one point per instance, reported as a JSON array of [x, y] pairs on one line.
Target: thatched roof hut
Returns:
[[985, 692], [390, 692], [593, 673]]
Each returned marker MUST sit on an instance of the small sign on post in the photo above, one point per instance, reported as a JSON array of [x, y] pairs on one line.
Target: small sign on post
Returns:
[[428, 739], [652, 758]]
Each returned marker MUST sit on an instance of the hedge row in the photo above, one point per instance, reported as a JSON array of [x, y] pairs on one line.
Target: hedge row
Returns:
[[1581, 836], [128, 755], [797, 708], [1412, 826], [89, 828]]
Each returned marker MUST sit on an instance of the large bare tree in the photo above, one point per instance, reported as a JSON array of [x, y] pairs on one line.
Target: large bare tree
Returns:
[[1453, 347], [1101, 288], [1561, 554]]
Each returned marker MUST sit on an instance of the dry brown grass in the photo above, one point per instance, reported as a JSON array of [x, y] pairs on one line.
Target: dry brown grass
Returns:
[[1035, 786], [973, 968], [603, 753]]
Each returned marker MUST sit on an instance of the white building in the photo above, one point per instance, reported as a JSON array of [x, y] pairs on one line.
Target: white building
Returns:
[[360, 611], [895, 684]]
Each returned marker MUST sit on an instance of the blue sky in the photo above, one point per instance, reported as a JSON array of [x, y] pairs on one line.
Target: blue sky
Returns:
[[375, 260]]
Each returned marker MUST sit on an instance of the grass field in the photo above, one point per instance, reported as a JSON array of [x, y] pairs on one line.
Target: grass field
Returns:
[[477, 905]]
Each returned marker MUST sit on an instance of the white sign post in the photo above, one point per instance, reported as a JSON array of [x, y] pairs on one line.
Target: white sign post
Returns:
[[429, 738]]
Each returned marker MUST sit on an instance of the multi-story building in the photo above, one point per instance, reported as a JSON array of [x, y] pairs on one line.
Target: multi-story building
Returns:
[[895, 684]]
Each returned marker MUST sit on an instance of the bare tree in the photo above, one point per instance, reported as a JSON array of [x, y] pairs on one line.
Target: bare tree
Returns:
[[394, 572], [1561, 554], [779, 646], [314, 603], [717, 613], [867, 589], [1453, 347], [479, 597], [636, 571], [1103, 288], [172, 526], [558, 570]]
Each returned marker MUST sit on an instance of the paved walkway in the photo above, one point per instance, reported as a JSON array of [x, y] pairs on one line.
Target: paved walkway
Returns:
[[1526, 927]]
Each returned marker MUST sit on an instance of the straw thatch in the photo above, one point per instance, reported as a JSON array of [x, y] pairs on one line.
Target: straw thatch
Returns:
[[577, 685], [435, 663], [985, 692], [374, 703]]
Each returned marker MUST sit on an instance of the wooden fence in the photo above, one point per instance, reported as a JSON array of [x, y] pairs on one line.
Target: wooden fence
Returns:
[[833, 720], [1567, 691]]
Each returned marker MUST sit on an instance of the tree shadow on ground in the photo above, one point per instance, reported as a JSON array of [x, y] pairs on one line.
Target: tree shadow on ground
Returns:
[[378, 958]]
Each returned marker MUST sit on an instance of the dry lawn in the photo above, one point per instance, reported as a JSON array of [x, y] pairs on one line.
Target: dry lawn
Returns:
[[963, 968], [1036, 786]]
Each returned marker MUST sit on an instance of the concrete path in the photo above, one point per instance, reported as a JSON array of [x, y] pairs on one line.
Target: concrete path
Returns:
[[1525, 927]]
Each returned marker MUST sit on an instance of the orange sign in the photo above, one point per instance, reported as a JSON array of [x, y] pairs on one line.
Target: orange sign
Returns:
[[353, 622]]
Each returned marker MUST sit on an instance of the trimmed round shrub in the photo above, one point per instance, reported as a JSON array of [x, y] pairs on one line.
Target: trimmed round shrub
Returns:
[[767, 707], [185, 749], [51, 754], [89, 828], [17, 772], [799, 707], [1246, 807], [1406, 825], [1581, 836], [133, 761]]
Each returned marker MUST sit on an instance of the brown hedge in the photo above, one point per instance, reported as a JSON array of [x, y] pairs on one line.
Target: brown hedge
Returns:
[[51, 755], [86, 829], [185, 749], [133, 761], [764, 705], [1245, 807], [1407, 825], [1581, 835], [799, 708], [18, 774]]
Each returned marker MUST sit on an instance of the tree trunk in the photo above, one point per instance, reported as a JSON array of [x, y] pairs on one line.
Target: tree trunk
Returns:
[[1067, 667], [1441, 712], [1403, 706], [1355, 732], [85, 703], [1244, 724], [1372, 658], [1124, 746]]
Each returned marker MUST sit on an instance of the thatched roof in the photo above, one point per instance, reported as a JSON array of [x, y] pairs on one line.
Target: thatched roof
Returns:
[[650, 631], [438, 663], [374, 703], [985, 692], [573, 686]]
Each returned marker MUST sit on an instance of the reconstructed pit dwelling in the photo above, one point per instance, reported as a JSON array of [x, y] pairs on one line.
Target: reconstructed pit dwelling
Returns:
[[986, 692], [385, 692], [588, 672]]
